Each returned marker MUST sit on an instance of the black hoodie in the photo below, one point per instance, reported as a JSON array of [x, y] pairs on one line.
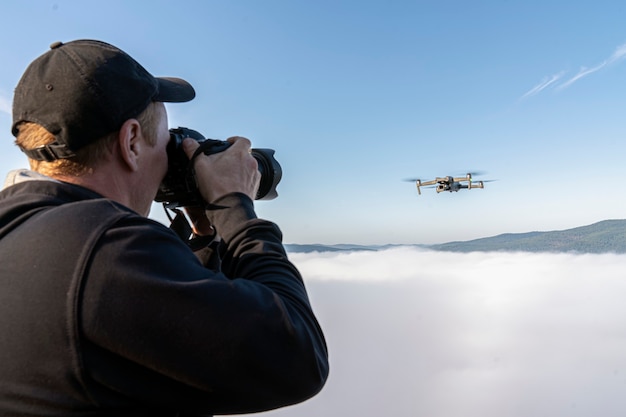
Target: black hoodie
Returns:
[[104, 312]]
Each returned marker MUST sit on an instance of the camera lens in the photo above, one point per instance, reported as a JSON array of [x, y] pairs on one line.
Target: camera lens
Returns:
[[271, 173]]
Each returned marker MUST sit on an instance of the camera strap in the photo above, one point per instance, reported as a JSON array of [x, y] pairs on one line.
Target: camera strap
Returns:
[[180, 225], [183, 230], [213, 144], [201, 148]]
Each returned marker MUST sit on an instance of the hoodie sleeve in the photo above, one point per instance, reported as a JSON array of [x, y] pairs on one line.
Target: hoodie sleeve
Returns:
[[160, 328]]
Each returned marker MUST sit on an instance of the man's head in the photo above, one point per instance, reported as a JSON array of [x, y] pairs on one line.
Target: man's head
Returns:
[[84, 90], [87, 113], [32, 136]]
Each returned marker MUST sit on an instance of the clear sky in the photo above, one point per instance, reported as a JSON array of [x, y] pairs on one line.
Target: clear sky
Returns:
[[356, 96]]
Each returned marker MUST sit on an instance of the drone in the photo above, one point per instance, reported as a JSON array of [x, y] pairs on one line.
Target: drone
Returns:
[[449, 183]]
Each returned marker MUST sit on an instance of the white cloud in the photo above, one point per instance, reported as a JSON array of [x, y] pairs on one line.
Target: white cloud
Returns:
[[583, 72], [545, 83], [357, 266], [618, 55], [414, 332]]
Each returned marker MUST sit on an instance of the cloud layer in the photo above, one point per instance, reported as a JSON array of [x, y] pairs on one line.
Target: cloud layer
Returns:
[[413, 332]]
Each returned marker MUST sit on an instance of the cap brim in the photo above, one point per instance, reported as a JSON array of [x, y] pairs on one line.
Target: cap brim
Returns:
[[174, 90]]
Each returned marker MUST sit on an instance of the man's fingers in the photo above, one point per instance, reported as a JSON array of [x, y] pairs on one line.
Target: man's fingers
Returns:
[[190, 146]]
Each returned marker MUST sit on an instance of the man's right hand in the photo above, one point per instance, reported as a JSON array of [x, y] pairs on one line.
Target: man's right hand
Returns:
[[230, 171]]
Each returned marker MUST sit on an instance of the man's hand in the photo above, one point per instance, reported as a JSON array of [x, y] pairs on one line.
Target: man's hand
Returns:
[[231, 171]]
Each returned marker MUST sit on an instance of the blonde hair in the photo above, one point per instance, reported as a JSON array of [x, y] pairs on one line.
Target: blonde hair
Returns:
[[32, 135]]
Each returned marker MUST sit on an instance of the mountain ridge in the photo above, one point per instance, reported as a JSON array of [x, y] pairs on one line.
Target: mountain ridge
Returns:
[[606, 236]]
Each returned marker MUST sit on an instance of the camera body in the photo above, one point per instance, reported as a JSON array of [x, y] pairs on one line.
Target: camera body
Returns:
[[179, 187]]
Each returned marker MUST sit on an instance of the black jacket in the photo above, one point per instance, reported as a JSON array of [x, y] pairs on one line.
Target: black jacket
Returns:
[[104, 312]]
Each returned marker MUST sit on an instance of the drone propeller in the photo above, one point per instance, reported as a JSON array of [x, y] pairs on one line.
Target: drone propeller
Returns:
[[472, 173]]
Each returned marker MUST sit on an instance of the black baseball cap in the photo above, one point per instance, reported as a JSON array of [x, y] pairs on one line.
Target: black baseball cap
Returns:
[[82, 90]]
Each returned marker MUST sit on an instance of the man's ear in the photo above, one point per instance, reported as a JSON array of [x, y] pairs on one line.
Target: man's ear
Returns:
[[129, 141]]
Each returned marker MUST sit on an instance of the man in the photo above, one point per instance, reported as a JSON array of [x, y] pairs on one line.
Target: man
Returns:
[[104, 312]]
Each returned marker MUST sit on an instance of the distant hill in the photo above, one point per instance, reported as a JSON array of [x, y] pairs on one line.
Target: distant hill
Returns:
[[296, 248], [602, 237], [608, 236]]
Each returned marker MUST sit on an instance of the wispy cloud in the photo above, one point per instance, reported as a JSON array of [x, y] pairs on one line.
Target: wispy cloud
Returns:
[[545, 83], [420, 333], [583, 72], [618, 55]]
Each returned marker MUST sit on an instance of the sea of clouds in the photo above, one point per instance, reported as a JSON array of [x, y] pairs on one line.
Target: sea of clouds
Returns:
[[413, 333]]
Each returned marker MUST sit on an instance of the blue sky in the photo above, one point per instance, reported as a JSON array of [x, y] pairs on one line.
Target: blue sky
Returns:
[[356, 96]]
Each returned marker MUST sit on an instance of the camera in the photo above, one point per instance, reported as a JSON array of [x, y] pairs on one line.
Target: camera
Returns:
[[179, 188]]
